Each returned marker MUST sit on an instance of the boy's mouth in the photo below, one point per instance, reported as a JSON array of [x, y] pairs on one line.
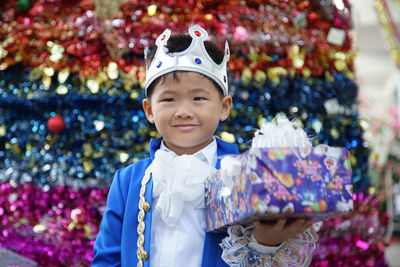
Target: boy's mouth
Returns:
[[185, 127]]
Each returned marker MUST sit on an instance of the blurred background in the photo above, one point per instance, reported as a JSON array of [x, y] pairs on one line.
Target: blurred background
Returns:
[[378, 79], [71, 79]]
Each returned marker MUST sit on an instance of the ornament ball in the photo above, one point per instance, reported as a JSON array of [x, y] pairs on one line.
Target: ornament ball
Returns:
[[23, 5], [56, 124]]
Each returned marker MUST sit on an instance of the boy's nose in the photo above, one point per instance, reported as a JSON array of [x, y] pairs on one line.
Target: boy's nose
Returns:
[[184, 111]]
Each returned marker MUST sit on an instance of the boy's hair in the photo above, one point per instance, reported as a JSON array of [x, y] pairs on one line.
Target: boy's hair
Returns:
[[179, 43]]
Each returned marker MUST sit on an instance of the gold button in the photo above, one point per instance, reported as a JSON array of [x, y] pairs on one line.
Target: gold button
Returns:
[[141, 254], [146, 206], [144, 254]]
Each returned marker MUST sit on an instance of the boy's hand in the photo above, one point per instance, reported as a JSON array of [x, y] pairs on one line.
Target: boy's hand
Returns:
[[273, 234]]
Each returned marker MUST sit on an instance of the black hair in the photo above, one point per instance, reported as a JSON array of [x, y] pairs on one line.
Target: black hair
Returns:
[[179, 43]]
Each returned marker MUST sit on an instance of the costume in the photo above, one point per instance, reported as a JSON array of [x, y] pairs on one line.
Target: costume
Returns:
[[116, 243]]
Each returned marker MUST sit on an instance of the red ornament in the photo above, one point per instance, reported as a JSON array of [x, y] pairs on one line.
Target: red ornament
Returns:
[[56, 124]]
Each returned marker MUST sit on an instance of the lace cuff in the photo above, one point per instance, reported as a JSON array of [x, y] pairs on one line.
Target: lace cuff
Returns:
[[297, 251]]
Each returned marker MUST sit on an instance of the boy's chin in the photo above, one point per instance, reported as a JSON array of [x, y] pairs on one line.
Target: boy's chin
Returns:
[[187, 146]]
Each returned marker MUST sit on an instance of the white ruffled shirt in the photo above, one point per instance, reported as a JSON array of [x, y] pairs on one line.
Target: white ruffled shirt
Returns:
[[178, 219]]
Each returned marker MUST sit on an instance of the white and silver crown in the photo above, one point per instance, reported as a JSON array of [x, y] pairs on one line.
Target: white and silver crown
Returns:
[[194, 58]]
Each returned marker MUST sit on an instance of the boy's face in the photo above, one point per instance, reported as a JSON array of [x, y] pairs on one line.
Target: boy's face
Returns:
[[186, 111]]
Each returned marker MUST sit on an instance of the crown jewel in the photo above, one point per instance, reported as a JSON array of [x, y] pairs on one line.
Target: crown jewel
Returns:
[[194, 58]]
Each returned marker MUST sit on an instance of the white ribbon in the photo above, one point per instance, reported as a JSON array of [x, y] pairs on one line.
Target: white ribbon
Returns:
[[280, 134], [230, 167], [178, 179]]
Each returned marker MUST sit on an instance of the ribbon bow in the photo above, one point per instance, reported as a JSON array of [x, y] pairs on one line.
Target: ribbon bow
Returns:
[[178, 179]]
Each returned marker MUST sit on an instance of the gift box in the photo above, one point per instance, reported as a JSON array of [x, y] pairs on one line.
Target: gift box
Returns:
[[270, 183]]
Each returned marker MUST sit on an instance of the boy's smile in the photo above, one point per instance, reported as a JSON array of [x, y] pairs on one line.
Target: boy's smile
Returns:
[[186, 111]]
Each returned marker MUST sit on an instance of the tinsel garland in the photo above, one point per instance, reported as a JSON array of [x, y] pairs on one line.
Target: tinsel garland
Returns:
[[55, 60], [274, 35], [54, 227], [96, 140], [354, 239], [390, 28], [57, 227]]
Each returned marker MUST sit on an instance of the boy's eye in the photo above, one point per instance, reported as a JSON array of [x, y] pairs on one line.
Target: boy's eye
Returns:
[[167, 100], [199, 98]]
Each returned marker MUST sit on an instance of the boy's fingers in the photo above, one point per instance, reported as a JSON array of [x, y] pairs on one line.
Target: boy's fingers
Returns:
[[259, 223], [307, 224], [280, 224], [299, 226], [296, 226], [264, 224]]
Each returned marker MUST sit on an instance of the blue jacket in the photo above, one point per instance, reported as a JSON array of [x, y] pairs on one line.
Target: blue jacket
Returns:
[[116, 243]]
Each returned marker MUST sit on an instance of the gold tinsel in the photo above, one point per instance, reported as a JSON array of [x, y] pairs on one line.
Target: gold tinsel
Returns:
[[107, 11], [389, 31]]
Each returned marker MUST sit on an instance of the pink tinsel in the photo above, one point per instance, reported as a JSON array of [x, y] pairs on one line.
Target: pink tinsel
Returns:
[[58, 227], [55, 227]]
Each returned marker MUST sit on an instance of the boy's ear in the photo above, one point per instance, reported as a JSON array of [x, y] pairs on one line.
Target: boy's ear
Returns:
[[148, 110], [226, 107]]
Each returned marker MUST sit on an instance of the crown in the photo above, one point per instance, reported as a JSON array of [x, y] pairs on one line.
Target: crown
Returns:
[[194, 58]]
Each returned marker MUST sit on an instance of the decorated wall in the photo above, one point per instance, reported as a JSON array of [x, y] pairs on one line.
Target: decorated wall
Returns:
[[71, 86]]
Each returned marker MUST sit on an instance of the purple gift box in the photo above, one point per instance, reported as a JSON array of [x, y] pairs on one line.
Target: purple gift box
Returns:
[[270, 183]]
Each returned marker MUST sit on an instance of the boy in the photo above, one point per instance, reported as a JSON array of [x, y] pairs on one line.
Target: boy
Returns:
[[155, 208]]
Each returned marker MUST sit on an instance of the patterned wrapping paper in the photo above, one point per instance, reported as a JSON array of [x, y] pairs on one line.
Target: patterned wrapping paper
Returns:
[[314, 182]]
